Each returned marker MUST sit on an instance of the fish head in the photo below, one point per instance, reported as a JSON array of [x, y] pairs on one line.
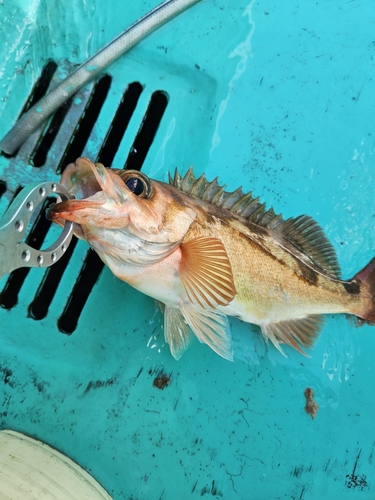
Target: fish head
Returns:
[[123, 201]]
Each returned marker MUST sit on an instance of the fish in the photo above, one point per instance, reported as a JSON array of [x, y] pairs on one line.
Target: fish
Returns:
[[206, 254]]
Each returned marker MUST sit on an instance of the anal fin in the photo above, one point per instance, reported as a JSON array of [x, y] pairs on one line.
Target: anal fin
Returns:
[[293, 332]]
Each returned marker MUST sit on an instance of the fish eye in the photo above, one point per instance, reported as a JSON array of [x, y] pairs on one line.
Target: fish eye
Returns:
[[135, 185], [138, 183]]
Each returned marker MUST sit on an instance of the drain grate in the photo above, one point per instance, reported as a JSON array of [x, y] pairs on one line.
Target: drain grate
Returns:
[[49, 150], [88, 276]]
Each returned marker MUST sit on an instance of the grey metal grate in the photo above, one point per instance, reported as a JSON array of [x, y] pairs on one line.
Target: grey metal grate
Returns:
[[67, 134]]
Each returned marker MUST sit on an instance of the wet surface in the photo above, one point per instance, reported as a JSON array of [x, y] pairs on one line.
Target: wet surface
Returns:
[[277, 99]]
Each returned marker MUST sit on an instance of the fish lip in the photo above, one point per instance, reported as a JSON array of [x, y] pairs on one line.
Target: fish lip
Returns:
[[76, 204]]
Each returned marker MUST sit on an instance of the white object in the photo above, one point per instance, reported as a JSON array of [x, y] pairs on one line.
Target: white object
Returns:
[[32, 470]]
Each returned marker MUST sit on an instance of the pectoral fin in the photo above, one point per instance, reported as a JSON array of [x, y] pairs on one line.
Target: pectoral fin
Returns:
[[211, 327], [176, 331], [206, 273], [293, 332]]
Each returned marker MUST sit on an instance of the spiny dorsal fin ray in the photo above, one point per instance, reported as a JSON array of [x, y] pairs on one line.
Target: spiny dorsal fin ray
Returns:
[[302, 232], [239, 203]]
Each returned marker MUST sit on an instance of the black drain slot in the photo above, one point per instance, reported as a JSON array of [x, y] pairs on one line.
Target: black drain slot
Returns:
[[3, 187], [38, 309], [40, 156], [39, 91], [85, 126], [41, 86], [147, 131], [120, 123], [87, 278], [9, 295]]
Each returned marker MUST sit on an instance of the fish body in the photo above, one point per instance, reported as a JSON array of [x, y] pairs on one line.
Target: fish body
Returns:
[[208, 254]]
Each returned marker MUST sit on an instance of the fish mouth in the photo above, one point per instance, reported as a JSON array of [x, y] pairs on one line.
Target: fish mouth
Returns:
[[82, 178], [90, 185]]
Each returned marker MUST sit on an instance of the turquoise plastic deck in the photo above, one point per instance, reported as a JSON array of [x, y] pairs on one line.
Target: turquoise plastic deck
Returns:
[[278, 98]]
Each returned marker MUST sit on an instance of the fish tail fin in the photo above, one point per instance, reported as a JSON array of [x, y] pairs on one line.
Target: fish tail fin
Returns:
[[366, 281]]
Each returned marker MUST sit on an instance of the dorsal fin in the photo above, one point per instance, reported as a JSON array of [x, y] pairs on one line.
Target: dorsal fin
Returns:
[[302, 232], [308, 237], [237, 202]]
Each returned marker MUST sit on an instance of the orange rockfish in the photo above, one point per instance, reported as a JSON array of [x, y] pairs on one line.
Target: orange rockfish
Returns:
[[208, 254]]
